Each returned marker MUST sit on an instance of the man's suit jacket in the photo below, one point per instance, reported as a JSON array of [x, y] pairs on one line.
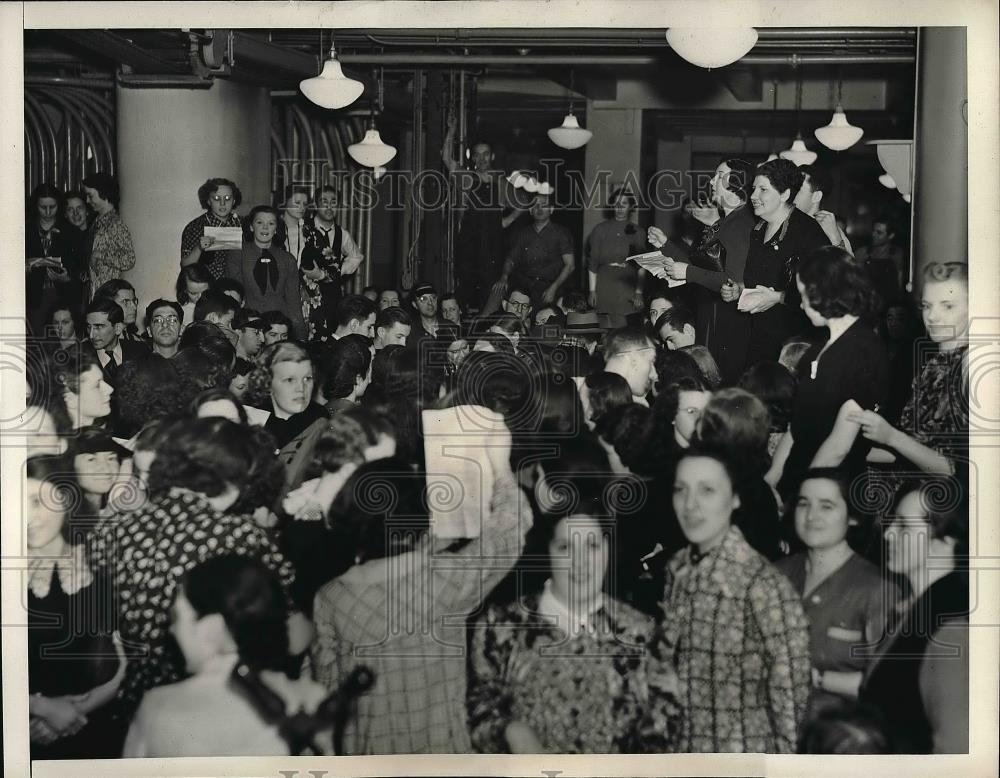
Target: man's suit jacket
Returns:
[[131, 349]]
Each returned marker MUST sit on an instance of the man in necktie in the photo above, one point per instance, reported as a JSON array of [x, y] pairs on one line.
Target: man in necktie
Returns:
[[105, 324]]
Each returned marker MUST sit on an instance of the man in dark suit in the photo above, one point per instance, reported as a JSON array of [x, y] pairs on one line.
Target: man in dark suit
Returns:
[[105, 324]]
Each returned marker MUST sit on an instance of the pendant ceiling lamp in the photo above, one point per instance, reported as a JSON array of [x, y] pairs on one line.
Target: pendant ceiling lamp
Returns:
[[798, 153], [887, 181], [371, 151], [711, 47], [839, 134], [331, 88], [570, 135], [895, 157]]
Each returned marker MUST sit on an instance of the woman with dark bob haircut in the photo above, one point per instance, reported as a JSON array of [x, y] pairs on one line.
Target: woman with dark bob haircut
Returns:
[[782, 236], [229, 610], [851, 364], [774, 385], [111, 249], [220, 198], [75, 665], [199, 472]]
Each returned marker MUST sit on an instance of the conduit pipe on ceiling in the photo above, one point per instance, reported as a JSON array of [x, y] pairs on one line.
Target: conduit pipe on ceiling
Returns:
[[451, 60]]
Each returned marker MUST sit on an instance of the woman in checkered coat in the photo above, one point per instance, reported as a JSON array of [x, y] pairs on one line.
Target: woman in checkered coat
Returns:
[[733, 625]]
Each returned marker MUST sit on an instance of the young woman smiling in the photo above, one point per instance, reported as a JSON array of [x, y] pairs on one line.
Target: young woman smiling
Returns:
[[268, 273]]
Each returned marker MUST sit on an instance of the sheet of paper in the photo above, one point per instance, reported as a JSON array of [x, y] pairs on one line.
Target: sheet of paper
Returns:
[[459, 474], [654, 262], [225, 237], [748, 298]]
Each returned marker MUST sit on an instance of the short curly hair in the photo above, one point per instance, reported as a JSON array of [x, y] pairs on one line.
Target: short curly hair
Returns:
[[203, 455], [836, 285], [783, 175], [149, 388], [211, 186]]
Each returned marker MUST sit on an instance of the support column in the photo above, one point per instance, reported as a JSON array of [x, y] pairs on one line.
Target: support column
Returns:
[[941, 150], [170, 141]]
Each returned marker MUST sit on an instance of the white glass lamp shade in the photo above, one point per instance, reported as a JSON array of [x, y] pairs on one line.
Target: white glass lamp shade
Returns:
[[545, 188], [907, 197], [798, 153], [331, 88], [839, 134], [371, 151], [530, 185], [711, 47], [887, 181], [570, 135], [894, 155]]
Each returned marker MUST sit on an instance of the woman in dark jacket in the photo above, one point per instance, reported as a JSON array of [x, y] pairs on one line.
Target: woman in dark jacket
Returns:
[[850, 365], [717, 261], [919, 676], [783, 235], [53, 258]]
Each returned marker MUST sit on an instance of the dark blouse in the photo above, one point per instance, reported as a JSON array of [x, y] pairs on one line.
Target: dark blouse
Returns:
[[893, 683], [773, 263], [849, 607], [854, 367], [213, 261], [70, 651]]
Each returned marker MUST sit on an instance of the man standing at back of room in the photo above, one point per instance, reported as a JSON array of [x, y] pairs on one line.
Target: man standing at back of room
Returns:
[[540, 258], [479, 245]]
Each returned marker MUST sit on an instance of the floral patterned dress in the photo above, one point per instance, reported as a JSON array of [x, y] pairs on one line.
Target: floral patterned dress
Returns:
[[586, 693], [936, 415]]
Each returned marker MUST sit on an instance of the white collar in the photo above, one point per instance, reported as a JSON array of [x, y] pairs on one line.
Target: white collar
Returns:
[[566, 618], [102, 354], [72, 569]]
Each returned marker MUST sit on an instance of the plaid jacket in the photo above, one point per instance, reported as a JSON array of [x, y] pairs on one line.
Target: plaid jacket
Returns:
[[741, 641], [405, 617]]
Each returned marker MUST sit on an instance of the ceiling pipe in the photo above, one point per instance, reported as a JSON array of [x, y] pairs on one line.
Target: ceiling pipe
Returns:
[[451, 60], [763, 33], [89, 83], [623, 43]]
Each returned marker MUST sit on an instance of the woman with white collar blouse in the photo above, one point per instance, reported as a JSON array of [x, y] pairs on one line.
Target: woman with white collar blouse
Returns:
[[563, 669]]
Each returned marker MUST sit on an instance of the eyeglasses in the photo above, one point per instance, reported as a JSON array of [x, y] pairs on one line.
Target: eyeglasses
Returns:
[[162, 320], [222, 198], [327, 202], [426, 298], [519, 306]]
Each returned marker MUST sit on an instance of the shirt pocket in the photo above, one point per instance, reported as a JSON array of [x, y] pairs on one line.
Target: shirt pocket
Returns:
[[847, 635]]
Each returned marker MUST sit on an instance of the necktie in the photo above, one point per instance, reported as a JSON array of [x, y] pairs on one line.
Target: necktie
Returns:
[[111, 368]]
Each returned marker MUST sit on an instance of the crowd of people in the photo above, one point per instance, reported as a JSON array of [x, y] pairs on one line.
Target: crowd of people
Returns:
[[717, 507]]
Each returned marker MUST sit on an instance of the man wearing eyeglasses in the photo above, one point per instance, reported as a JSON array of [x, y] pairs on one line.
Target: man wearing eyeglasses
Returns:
[[428, 318], [518, 302], [164, 319]]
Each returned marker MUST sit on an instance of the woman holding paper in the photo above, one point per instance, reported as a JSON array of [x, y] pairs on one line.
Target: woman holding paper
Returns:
[[53, 258], [716, 268], [781, 236], [219, 197], [615, 287]]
